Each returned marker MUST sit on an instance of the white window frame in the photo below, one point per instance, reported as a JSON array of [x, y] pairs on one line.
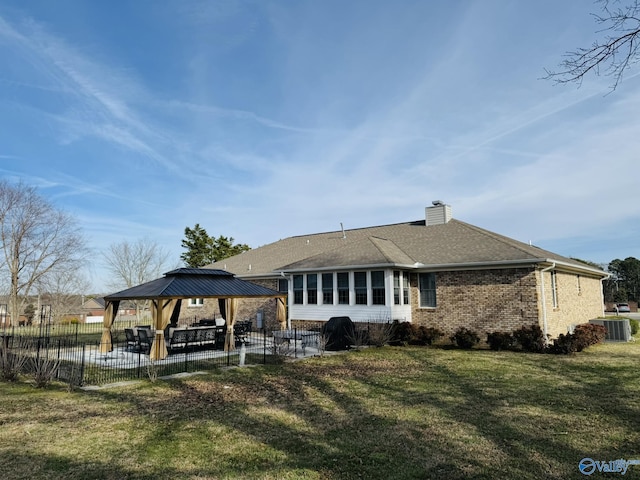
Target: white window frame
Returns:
[[196, 302], [422, 290]]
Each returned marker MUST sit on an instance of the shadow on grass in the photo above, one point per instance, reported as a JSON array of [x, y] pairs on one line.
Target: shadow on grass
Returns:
[[320, 418], [384, 413], [567, 409], [18, 464]]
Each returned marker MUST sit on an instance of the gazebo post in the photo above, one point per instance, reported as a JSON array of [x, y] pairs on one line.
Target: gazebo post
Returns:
[[159, 347], [111, 310]]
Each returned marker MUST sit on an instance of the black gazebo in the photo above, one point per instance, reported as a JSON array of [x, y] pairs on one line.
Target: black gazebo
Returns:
[[166, 295]]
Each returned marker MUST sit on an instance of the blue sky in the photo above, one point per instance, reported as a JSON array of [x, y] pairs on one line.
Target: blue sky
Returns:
[[264, 119]]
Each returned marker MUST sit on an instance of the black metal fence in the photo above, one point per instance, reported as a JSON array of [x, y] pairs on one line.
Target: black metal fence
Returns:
[[73, 354]]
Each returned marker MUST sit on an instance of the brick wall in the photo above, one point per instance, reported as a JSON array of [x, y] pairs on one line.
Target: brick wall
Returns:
[[482, 300], [189, 315], [507, 299], [247, 308], [579, 300]]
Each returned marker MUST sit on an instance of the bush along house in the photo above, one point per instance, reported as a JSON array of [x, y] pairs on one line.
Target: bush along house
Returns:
[[437, 272]]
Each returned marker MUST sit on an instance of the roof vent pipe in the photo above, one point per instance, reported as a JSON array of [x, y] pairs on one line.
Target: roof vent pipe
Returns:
[[344, 235]]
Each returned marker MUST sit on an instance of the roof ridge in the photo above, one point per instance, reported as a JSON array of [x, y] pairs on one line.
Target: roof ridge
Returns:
[[371, 227], [512, 242]]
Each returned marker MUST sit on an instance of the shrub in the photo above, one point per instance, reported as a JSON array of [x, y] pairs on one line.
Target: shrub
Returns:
[[635, 325], [44, 369], [587, 334], [358, 337], [13, 359], [380, 334], [530, 339], [501, 341], [408, 333], [401, 332], [69, 321], [563, 345], [427, 335], [584, 335], [465, 338]]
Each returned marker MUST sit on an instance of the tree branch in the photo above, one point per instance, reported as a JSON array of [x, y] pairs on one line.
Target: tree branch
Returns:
[[611, 56]]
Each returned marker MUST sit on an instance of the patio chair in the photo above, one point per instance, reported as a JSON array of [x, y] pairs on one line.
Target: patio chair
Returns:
[[132, 341], [210, 337], [145, 340], [179, 340], [242, 330]]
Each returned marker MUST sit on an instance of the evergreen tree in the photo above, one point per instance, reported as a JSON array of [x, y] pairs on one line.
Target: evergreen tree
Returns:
[[203, 249], [625, 279]]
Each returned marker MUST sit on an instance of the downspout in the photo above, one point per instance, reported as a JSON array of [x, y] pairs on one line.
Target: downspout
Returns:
[[602, 292], [545, 327]]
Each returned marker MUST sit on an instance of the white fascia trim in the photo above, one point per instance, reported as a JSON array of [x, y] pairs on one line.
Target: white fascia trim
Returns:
[[577, 268], [478, 265], [345, 267], [414, 266], [525, 263], [533, 262], [259, 276]]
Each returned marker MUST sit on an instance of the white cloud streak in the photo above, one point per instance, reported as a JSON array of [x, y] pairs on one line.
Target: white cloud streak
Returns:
[[295, 124]]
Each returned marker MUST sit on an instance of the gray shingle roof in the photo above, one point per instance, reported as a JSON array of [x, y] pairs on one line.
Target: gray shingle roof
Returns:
[[452, 244]]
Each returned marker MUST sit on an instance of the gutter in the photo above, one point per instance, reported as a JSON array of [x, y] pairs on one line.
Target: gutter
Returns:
[[525, 263], [545, 327], [414, 266]]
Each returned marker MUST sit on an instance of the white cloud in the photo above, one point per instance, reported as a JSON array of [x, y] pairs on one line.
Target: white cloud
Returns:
[[266, 120]]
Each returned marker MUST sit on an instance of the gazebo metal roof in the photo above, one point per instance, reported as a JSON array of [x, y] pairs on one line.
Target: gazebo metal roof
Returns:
[[194, 283]]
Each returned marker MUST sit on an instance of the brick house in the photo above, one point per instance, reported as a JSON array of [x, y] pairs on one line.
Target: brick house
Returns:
[[437, 272]]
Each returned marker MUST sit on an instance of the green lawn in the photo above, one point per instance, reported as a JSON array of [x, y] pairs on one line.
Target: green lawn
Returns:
[[379, 413]]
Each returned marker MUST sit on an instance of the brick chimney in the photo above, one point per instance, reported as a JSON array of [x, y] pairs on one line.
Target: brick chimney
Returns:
[[438, 213]]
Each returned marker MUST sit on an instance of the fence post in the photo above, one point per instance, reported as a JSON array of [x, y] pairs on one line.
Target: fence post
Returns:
[[81, 382], [58, 357], [38, 351], [264, 348]]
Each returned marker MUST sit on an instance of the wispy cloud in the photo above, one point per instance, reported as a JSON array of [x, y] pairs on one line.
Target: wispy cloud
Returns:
[[267, 119], [100, 97]]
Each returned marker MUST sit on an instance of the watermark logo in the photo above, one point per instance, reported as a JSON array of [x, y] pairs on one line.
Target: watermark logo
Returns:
[[588, 466]]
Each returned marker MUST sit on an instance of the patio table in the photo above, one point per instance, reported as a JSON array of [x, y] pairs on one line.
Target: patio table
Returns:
[[306, 337]]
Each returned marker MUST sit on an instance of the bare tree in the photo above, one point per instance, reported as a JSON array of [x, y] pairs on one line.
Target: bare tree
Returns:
[[63, 290], [133, 263], [36, 240], [611, 55]]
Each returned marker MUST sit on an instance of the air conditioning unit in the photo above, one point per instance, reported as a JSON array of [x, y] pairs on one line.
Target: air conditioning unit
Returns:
[[617, 330]]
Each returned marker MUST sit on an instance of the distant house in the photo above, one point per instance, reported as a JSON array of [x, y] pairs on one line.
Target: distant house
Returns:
[[93, 306], [436, 271], [92, 310]]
